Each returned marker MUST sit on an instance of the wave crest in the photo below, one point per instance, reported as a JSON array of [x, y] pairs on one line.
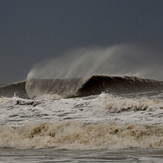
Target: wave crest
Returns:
[[96, 84]]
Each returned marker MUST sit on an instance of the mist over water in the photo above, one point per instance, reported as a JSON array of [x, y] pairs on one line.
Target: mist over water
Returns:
[[118, 60]]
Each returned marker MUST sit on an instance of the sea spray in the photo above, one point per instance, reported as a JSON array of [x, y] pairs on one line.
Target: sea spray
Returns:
[[116, 60]]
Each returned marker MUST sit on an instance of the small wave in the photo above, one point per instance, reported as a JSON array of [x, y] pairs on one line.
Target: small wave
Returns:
[[115, 104], [14, 89], [80, 135]]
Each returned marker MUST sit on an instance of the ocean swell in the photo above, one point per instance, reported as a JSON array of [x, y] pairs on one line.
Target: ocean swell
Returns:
[[80, 87], [94, 85]]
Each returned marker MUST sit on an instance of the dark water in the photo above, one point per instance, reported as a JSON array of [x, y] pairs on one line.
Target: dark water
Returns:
[[52, 155]]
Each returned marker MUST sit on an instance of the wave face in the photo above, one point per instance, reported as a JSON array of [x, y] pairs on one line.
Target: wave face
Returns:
[[63, 87], [80, 87], [96, 84]]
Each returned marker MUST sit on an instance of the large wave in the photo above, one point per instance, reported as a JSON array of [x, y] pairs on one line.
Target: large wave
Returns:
[[79, 87], [87, 72], [96, 84]]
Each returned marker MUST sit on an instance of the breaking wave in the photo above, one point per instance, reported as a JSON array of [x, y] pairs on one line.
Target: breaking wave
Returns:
[[80, 135], [96, 84], [85, 72], [80, 87]]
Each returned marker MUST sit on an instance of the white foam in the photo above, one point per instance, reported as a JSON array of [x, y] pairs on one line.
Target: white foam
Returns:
[[80, 135], [70, 119]]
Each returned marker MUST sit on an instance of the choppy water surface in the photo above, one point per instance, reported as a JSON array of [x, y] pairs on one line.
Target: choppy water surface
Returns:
[[100, 128], [51, 155]]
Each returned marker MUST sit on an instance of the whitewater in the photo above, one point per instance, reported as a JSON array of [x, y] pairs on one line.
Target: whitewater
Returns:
[[103, 106]]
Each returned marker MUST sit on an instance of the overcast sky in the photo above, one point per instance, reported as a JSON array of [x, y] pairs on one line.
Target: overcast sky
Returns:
[[34, 30]]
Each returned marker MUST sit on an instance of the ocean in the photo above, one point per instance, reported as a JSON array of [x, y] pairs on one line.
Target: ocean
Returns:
[[98, 119], [74, 110]]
